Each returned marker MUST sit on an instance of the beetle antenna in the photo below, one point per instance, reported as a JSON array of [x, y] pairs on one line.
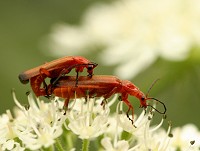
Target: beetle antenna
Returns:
[[154, 82], [165, 109]]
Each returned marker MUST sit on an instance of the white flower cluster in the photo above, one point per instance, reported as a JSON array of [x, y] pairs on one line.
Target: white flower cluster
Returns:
[[132, 33], [34, 127], [39, 126]]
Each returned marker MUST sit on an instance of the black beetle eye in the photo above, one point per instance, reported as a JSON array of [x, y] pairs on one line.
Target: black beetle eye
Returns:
[[90, 67], [142, 98]]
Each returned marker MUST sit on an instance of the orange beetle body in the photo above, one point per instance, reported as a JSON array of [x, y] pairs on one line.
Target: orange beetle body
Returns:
[[55, 69], [97, 86]]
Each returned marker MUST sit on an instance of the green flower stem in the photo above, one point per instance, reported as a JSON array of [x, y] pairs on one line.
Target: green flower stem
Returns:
[[58, 145], [69, 141], [46, 149], [85, 145]]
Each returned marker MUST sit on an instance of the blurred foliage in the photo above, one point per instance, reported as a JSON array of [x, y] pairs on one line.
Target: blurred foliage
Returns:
[[24, 23]]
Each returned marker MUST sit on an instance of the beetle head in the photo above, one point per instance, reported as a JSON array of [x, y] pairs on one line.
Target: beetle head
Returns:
[[131, 89], [90, 68]]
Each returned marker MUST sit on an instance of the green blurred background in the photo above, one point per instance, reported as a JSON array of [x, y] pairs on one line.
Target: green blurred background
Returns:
[[24, 23]]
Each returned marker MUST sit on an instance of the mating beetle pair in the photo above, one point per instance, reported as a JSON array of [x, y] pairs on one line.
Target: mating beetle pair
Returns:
[[94, 86]]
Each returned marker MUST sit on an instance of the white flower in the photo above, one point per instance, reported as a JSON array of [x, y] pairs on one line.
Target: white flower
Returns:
[[8, 133], [40, 124], [133, 33], [121, 145], [88, 120], [185, 135], [145, 136], [12, 145]]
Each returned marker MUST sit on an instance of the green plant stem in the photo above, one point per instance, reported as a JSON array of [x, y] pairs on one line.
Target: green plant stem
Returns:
[[85, 145], [69, 141], [58, 145]]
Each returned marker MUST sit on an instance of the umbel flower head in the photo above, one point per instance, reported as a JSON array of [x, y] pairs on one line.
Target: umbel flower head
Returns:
[[41, 125], [38, 125], [8, 133], [89, 120]]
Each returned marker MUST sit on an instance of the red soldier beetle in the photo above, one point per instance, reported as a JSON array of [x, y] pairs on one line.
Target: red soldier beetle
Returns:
[[100, 86], [55, 69]]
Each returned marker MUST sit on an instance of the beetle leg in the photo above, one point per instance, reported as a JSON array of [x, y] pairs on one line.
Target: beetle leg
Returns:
[[65, 107], [86, 94], [36, 84], [45, 87], [113, 91], [103, 103], [108, 95], [50, 89], [45, 73], [62, 73], [130, 107], [76, 85]]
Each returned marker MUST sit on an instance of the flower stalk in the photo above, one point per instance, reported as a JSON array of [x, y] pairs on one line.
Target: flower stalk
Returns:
[[59, 145], [85, 144]]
